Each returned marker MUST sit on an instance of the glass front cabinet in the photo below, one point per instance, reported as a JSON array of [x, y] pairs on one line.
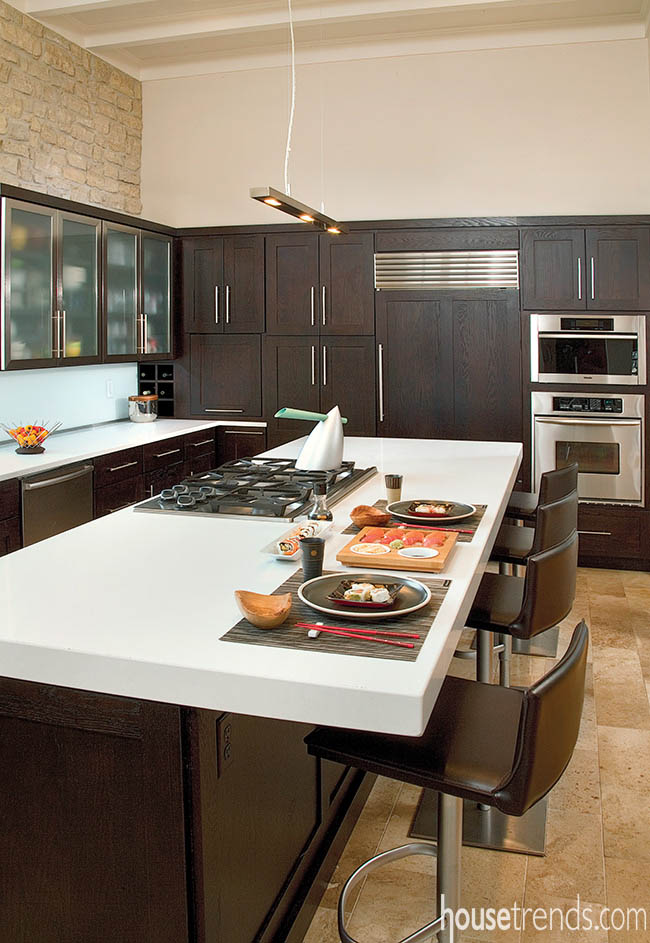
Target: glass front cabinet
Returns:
[[76, 290]]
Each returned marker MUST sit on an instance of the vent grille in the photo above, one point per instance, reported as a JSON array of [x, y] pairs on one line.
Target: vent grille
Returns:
[[497, 268]]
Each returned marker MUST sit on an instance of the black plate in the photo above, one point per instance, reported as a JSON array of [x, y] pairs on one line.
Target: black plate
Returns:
[[412, 595], [457, 511]]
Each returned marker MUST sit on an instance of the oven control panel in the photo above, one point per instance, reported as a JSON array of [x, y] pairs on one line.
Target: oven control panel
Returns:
[[587, 404]]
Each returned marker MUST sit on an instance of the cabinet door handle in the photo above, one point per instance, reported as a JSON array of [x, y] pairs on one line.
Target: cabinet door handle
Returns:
[[380, 366], [323, 292], [313, 365], [195, 445], [140, 335], [216, 304], [579, 279], [227, 304], [313, 306], [324, 364], [145, 333], [163, 454], [593, 278], [120, 467], [56, 344], [242, 432], [62, 321], [206, 410], [596, 533]]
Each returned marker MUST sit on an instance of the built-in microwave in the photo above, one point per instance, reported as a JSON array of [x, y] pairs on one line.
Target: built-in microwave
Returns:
[[587, 348]]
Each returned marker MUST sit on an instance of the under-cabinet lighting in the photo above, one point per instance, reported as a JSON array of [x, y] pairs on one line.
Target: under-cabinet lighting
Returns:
[[287, 204]]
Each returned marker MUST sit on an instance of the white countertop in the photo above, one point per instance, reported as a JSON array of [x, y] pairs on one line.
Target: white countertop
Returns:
[[135, 603], [64, 448]]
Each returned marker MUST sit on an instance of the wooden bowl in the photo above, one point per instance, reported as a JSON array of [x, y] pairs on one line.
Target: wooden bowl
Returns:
[[365, 516], [266, 612]]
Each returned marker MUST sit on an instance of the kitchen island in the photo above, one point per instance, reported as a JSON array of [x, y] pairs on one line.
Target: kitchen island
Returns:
[[181, 804]]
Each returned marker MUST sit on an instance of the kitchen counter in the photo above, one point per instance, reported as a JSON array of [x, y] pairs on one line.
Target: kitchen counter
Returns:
[[64, 448], [134, 604]]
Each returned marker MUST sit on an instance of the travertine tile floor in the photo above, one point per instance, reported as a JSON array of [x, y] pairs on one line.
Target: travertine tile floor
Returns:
[[598, 828]]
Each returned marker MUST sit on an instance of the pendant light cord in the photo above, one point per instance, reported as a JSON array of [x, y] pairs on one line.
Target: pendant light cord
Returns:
[[292, 110]]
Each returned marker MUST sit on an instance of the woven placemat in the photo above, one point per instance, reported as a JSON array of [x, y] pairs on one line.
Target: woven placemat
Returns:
[[470, 523], [290, 635]]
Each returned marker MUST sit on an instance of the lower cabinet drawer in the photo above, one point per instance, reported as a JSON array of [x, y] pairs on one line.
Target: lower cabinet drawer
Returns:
[[161, 454], [10, 538], [120, 495], [198, 464], [609, 531], [199, 443], [166, 477], [118, 466]]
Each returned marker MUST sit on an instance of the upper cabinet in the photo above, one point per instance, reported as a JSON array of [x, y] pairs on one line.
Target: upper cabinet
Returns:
[[603, 269], [320, 283], [77, 290], [223, 284], [51, 287], [137, 294]]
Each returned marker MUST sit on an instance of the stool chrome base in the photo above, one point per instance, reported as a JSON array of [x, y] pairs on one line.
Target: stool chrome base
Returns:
[[543, 645], [449, 826], [487, 828]]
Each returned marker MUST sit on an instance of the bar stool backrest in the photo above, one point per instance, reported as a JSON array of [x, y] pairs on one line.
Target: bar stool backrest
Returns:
[[548, 730], [555, 522], [549, 589], [558, 483]]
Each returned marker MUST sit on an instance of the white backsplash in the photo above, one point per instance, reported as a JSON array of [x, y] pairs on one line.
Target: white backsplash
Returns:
[[77, 396]]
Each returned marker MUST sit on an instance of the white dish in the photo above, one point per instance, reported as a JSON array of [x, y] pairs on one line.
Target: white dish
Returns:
[[370, 550], [272, 548], [420, 553]]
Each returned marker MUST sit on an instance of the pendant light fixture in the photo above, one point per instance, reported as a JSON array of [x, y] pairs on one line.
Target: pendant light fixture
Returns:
[[284, 201]]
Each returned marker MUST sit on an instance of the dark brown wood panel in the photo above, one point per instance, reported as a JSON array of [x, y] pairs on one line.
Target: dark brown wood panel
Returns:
[[203, 270], [609, 531], [416, 359], [553, 269], [10, 535], [348, 381], [92, 818], [621, 268], [120, 495], [239, 443], [292, 304], [487, 365], [9, 498], [226, 375], [200, 443], [347, 271], [251, 817], [446, 239], [164, 453], [291, 370], [117, 466], [199, 464], [244, 284]]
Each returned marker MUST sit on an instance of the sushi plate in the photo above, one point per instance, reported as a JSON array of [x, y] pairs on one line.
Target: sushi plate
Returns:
[[321, 528], [456, 511], [412, 596]]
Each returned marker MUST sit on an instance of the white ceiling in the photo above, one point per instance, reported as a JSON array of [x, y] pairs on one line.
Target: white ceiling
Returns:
[[155, 39]]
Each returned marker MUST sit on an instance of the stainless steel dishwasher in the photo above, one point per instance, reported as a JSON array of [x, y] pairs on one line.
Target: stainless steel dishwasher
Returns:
[[55, 501]]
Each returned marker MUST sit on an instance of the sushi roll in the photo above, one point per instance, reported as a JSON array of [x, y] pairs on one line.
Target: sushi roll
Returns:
[[380, 594]]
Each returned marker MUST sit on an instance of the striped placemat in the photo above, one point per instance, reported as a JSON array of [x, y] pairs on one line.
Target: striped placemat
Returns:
[[470, 523], [290, 635]]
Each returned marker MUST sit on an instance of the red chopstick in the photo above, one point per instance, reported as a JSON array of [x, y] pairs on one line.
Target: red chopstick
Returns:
[[340, 628], [366, 638], [455, 530]]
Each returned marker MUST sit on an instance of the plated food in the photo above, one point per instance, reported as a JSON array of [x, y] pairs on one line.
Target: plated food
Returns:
[[429, 509], [287, 546], [422, 548], [365, 594], [398, 538], [410, 595]]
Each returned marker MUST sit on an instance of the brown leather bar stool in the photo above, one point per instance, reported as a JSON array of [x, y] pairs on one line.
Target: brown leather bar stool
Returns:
[[501, 747], [553, 486], [514, 545]]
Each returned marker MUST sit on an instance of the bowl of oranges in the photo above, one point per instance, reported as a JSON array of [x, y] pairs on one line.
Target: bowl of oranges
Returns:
[[30, 437]]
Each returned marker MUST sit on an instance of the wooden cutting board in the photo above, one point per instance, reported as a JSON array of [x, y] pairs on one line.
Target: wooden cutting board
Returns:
[[393, 560]]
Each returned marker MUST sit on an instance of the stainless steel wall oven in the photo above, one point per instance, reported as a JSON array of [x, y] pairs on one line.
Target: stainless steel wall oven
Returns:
[[604, 433], [587, 348]]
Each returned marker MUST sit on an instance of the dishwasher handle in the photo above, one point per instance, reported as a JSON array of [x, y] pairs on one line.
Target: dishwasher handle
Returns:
[[79, 473]]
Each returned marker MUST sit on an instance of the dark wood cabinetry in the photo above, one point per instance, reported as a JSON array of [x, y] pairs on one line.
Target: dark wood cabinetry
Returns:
[[292, 279], [120, 495], [223, 284], [610, 533], [226, 375], [239, 443], [347, 303], [10, 535], [117, 466], [598, 268], [348, 381], [92, 811]]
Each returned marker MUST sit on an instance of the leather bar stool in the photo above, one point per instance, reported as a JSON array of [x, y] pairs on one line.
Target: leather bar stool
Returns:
[[514, 545], [553, 486], [502, 747]]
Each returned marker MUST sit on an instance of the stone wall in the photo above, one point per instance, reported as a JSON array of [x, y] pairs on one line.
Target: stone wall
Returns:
[[70, 123]]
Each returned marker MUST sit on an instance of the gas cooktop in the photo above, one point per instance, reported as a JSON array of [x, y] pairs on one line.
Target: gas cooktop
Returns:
[[265, 488]]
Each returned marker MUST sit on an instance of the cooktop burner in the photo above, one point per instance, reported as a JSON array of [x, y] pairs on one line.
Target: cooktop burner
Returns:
[[260, 487]]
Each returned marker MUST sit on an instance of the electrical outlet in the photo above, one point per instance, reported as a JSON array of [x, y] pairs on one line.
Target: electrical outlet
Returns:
[[224, 743], [109, 389]]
